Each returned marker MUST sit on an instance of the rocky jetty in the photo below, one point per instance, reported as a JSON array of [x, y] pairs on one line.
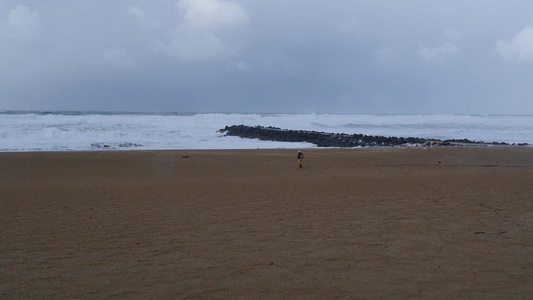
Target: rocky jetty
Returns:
[[339, 140], [321, 139]]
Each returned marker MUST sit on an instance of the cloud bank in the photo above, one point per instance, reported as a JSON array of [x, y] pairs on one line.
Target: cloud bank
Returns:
[[267, 56]]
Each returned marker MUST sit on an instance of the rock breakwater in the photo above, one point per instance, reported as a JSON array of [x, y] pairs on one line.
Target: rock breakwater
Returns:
[[320, 139], [340, 140]]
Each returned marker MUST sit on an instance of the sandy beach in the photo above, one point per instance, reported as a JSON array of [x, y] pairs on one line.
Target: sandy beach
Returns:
[[372, 223]]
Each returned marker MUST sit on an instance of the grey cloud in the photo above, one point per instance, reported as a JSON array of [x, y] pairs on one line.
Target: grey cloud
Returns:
[[22, 22], [519, 48], [200, 33]]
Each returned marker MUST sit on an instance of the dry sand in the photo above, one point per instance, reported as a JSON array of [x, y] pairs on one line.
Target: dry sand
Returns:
[[437, 223]]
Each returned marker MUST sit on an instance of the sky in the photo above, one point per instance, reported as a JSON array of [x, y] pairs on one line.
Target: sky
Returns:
[[276, 56]]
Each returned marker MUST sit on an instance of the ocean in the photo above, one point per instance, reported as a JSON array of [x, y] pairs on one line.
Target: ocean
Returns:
[[82, 131]]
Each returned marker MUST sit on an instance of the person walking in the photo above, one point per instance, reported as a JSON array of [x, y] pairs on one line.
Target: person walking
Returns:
[[300, 158]]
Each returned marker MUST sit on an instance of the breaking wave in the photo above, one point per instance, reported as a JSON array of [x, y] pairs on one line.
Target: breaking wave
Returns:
[[62, 131]]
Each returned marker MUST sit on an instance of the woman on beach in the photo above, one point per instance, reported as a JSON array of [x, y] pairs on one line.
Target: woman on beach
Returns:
[[300, 158]]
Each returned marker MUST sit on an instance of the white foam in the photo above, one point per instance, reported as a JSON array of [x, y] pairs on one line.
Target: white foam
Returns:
[[25, 132]]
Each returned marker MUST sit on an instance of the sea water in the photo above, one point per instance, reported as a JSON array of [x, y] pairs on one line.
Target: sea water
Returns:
[[72, 131]]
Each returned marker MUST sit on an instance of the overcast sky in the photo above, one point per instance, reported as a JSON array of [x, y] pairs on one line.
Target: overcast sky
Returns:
[[353, 56]]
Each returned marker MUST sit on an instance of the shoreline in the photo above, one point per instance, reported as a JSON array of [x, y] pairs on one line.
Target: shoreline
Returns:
[[439, 223], [455, 144]]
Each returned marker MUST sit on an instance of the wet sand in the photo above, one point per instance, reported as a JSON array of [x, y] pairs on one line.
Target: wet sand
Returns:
[[387, 223]]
